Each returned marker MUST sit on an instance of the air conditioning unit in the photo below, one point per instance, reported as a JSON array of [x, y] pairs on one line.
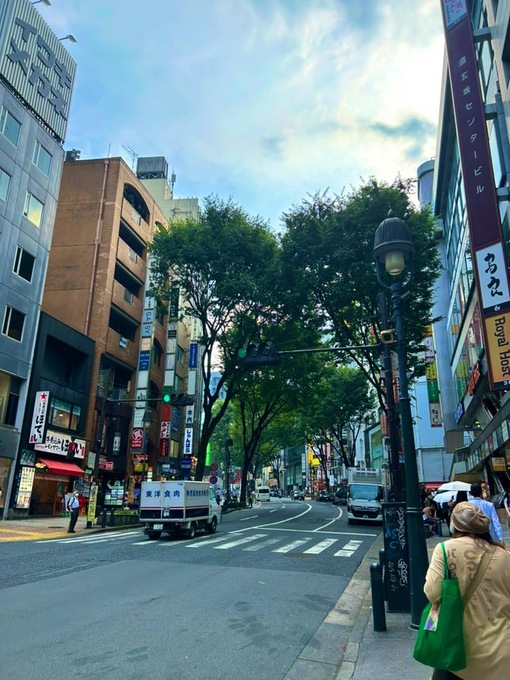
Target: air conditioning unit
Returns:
[[123, 342]]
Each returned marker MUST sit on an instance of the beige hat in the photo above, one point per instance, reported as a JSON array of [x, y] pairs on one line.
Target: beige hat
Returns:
[[468, 518]]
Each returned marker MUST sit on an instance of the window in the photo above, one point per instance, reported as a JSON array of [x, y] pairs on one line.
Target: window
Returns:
[[13, 323], [23, 264], [4, 184], [10, 387], [42, 159], [9, 126], [156, 354], [65, 415], [33, 209]]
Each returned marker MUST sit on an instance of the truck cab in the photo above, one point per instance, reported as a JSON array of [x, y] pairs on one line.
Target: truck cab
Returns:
[[365, 495]]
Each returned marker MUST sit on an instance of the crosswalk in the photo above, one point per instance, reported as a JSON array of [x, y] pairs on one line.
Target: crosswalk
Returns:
[[307, 545]]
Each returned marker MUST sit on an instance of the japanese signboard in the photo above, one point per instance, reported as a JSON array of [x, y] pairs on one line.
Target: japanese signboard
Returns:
[[26, 482], [188, 440], [39, 417], [485, 232], [137, 438], [193, 354], [58, 442]]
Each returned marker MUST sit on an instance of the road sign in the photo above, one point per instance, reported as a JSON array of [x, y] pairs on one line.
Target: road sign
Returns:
[[213, 479]]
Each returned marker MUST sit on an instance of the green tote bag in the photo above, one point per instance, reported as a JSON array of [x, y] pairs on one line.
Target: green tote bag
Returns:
[[440, 641]]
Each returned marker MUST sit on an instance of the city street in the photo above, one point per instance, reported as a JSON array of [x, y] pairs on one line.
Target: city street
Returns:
[[242, 603]]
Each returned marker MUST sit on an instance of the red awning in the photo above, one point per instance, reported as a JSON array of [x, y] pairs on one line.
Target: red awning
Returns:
[[61, 468], [433, 486]]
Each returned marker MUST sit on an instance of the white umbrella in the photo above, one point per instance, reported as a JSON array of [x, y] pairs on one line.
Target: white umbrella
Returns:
[[454, 486], [444, 497]]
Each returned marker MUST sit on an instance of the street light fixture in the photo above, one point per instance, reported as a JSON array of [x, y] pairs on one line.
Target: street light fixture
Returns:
[[69, 37], [44, 2], [393, 251]]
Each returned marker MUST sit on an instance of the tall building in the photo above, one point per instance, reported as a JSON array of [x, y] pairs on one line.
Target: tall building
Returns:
[[471, 201], [36, 83], [97, 283]]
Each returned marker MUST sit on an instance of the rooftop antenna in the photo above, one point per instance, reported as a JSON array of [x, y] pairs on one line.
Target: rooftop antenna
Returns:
[[173, 177], [133, 155]]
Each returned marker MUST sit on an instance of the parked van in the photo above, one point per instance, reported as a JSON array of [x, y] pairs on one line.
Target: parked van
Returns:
[[262, 493]]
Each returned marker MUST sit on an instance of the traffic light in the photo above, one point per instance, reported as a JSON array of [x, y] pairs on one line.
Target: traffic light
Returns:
[[182, 399], [262, 354], [167, 394]]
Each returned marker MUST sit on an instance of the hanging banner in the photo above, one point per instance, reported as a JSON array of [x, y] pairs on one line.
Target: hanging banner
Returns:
[[489, 262], [39, 417]]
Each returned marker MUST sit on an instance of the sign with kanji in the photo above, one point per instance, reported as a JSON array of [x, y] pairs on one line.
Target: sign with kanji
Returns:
[[39, 418], [137, 438], [188, 440]]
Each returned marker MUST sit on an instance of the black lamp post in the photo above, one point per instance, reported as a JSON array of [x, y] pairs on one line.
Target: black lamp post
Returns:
[[147, 421], [393, 248]]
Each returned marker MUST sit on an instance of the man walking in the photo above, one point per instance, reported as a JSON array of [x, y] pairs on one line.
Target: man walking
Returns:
[[488, 508], [74, 507]]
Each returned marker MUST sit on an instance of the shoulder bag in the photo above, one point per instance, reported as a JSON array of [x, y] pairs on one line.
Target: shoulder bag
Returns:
[[440, 641]]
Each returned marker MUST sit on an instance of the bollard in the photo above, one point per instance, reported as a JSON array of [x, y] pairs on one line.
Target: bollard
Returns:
[[378, 607], [382, 562], [103, 519]]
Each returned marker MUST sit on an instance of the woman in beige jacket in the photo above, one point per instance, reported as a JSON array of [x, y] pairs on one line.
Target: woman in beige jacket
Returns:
[[487, 614]]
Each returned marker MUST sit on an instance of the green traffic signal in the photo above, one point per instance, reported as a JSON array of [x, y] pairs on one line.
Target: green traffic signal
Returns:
[[241, 352], [166, 398]]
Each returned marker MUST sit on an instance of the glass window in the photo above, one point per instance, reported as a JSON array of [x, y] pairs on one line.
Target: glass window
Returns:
[[63, 414], [33, 209], [42, 159], [23, 264], [10, 388], [4, 184], [13, 323], [9, 126]]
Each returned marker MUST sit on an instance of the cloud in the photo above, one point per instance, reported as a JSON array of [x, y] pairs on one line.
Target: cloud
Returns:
[[264, 100]]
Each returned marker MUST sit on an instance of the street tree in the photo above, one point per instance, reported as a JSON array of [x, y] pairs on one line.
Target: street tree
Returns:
[[341, 402], [223, 263], [329, 273]]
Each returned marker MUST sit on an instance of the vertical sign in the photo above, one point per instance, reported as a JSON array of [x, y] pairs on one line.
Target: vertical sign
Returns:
[[396, 557], [39, 418], [490, 267], [432, 382]]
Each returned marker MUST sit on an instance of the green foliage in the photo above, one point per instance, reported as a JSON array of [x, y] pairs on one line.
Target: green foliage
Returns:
[[224, 264], [329, 273]]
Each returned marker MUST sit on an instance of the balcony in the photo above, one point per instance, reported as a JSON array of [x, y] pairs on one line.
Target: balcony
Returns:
[[119, 347], [130, 260], [135, 221], [127, 301]]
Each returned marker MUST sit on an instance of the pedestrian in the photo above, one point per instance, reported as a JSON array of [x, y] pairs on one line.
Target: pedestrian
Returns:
[[506, 505], [73, 505], [430, 520], [250, 498], [476, 560], [488, 508]]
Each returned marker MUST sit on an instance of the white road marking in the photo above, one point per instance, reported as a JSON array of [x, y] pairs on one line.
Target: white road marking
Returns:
[[292, 546], [348, 549], [243, 519], [263, 544], [316, 549], [240, 541], [93, 538]]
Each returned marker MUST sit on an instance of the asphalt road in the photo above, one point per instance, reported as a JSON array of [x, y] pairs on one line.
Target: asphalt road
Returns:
[[240, 604]]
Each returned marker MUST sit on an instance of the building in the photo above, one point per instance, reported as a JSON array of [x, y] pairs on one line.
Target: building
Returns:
[[36, 84], [97, 284], [471, 201]]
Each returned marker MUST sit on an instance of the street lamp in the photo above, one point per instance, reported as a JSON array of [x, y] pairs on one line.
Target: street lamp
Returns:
[[393, 250], [147, 421]]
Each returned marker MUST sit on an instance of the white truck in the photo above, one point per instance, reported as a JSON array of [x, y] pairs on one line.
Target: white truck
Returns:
[[178, 507], [366, 491]]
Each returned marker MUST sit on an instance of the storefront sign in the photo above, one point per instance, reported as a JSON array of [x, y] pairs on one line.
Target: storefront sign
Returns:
[[144, 361], [27, 457], [188, 440], [498, 464], [137, 438], [164, 448], [58, 442], [164, 431], [193, 354], [91, 510], [498, 344], [26, 482], [39, 418]]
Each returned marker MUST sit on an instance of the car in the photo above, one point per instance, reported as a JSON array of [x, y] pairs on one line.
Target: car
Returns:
[[273, 493], [298, 495], [324, 497], [340, 497]]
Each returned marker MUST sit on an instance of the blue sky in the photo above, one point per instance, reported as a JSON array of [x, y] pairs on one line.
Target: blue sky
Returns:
[[264, 101]]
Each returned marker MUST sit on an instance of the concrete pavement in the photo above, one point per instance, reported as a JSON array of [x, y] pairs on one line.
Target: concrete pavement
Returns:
[[344, 647]]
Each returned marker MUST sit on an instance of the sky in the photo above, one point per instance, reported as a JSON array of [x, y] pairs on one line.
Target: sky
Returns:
[[261, 101]]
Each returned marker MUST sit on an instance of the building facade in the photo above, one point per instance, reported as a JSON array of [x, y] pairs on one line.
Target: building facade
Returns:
[[36, 82], [472, 165]]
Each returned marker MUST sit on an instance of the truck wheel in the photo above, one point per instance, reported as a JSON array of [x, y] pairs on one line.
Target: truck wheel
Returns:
[[192, 530], [153, 535], [212, 526]]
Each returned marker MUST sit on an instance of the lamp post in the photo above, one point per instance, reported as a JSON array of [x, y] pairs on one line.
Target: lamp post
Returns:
[[393, 248], [228, 460], [147, 421]]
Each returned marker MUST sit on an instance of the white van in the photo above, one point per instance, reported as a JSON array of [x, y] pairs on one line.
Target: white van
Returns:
[[262, 493]]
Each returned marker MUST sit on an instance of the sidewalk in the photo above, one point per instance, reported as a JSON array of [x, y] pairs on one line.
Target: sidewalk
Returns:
[[387, 655], [39, 528]]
